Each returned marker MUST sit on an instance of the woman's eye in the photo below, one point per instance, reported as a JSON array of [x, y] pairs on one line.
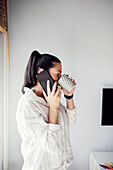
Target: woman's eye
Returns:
[[58, 75]]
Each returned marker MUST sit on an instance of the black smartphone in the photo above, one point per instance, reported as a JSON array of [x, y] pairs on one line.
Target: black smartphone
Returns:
[[43, 77]]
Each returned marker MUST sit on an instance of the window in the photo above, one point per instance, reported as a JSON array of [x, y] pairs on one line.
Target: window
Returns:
[[4, 45], [3, 102]]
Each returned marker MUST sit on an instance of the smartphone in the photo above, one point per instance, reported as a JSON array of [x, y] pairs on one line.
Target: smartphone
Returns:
[[43, 77]]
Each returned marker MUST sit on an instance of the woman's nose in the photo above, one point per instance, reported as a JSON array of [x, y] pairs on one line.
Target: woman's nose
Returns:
[[61, 75]]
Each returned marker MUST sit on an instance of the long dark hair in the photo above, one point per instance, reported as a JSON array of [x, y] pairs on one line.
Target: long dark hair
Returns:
[[36, 61]]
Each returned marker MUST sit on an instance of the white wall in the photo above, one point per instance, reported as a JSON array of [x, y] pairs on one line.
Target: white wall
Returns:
[[80, 33]]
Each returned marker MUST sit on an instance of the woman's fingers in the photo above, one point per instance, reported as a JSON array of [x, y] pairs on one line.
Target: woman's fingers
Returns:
[[73, 89], [48, 87], [52, 99], [54, 87], [72, 80], [60, 94], [44, 94], [58, 91]]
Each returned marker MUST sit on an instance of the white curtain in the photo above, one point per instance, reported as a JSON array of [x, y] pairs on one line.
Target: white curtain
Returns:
[[3, 103]]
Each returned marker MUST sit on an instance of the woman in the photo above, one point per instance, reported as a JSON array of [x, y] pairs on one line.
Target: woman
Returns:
[[42, 121]]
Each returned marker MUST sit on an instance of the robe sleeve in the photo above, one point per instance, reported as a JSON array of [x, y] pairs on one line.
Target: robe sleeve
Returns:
[[72, 115], [43, 133]]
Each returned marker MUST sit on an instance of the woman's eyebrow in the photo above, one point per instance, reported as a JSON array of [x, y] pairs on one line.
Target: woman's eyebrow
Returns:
[[59, 71]]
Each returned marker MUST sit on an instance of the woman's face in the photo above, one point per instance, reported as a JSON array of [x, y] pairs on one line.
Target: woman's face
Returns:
[[56, 71]]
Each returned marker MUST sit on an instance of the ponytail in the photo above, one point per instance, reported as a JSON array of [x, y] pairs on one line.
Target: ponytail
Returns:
[[31, 70]]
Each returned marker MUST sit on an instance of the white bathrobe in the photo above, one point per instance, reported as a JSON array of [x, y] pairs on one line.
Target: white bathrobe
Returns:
[[45, 146]]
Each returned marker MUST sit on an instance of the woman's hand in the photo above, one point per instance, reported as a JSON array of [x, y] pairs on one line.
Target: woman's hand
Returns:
[[53, 97], [72, 91]]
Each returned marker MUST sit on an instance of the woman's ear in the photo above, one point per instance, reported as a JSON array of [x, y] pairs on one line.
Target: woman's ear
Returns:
[[40, 70]]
